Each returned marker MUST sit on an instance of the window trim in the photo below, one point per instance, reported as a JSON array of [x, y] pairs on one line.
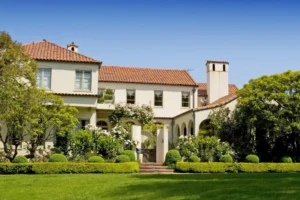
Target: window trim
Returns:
[[134, 96], [91, 80], [42, 77], [99, 90], [189, 102], [162, 98]]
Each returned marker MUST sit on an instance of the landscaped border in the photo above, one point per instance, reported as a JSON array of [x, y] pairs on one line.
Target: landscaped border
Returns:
[[199, 167], [68, 168]]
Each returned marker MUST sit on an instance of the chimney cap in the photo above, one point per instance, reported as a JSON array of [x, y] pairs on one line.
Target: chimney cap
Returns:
[[72, 44], [217, 61]]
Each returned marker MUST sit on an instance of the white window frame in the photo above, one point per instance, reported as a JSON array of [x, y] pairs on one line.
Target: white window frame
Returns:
[[134, 96], [162, 98], [189, 99], [82, 80], [41, 81]]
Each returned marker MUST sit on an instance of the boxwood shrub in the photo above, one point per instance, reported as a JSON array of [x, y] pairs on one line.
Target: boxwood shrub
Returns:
[[194, 158], [96, 159], [58, 158], [172, 157], [20, 159], [122, 159], [129, 153], [252, 158], [236, 167], [286, 159], [67, 167], [226, 159]]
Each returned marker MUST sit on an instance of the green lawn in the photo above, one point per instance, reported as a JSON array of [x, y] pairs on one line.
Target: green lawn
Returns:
[[136, 186]]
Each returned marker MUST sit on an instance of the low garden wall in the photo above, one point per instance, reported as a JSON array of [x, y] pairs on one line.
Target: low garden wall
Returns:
[[213, 167], [68, 167]]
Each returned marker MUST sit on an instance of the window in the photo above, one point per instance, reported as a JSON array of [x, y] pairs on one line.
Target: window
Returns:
[[83, 80], [185, 99], [224, 68], [82, 124], [100, 93], [214, 67], [158, 98], [43, 79], [131, 96], [103, 125]]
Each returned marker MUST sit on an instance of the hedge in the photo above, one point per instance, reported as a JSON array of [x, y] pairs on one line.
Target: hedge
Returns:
[[68, 168], [236, 167]]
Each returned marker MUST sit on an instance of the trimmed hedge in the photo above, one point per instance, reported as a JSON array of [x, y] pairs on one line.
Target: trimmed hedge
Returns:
[[68, 168], [286, 159], [252, 158], [194, 158], [129, 153], [96, 159], [236, 167], [58, 158], [20, 159], [122, 159], [172, 157], [226, 159]]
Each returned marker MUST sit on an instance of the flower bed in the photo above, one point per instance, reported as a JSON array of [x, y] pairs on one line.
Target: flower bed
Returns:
[[236, 167], [66, 168]]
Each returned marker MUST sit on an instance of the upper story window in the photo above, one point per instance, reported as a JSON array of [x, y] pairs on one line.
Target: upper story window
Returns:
[[83, 80], [101, 92], [214, 67], [185, 99], [158, 98], [131, 96], [43, 79], [224, 68]]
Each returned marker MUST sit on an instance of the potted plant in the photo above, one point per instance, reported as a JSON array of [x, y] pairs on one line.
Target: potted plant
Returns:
[[108, 96]]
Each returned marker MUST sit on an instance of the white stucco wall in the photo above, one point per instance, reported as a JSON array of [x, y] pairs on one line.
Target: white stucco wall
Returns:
[[145, 95], [63, 76], [80, 101]]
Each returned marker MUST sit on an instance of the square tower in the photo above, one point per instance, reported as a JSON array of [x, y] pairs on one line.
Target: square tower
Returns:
[[217, 79]]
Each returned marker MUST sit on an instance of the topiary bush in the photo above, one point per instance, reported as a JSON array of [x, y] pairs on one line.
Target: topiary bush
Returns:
[[20, 159], [96, 159], [129, 153], [58, 158], [286, 159], [193, 158], [252, 158], [172, 157], [122, 159], [226, 159]]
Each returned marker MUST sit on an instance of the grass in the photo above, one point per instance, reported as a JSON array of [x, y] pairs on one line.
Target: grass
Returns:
[[150, 187]]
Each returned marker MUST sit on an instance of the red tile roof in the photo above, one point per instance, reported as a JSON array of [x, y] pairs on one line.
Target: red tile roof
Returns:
[[222, 101], [145, 76], [202, 89], [48, 51], [76, 94]]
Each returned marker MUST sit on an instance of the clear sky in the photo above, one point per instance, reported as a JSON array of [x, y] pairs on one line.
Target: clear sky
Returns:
[[256, 37]]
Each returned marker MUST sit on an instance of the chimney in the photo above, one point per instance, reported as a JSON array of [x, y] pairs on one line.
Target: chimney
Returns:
[[72, 47], [217, 79]]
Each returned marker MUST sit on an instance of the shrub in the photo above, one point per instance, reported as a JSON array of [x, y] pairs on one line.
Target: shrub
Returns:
[[122, 159], [20, 159], [252, 158], [60, 168], [129, 153], [172, 157], [58, 158], [226, 159], [286, 159], [96, 159], [194, 158]]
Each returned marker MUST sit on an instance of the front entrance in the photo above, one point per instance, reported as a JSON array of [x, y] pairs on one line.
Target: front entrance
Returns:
[[149, 155], [148, 147]]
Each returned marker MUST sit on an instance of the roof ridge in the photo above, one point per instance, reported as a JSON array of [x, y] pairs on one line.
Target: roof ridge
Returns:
[[132, 67]]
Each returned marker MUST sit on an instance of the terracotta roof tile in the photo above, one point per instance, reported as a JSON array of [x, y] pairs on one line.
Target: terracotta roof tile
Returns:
[[145, 76], [48, 51], [202, 89], [222, 101], [76, 94]]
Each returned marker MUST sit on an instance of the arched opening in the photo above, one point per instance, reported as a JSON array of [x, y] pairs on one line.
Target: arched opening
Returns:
[[206, 128], [102, 124], [184, 129], [191, 128], [177, 131]]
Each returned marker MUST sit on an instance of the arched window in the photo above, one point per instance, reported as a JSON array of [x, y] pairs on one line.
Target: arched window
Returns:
[[102, 124], [214, 67], [224, 68]]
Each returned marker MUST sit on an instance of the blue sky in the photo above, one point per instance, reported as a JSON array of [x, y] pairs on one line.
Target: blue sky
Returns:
[[256, 37]]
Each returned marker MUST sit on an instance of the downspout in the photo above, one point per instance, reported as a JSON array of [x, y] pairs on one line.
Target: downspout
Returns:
[[194, 107], [172, 129]]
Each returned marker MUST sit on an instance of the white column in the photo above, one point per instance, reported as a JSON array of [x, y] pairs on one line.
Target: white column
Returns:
[[136, 132], [93, 119], [162, 144]]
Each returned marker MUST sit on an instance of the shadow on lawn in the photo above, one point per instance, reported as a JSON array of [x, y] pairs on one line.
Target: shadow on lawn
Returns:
[[212, 186]]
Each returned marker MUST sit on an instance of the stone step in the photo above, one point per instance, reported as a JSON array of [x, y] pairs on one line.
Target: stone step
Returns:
[[152, 164], [153, 167], [155, 170]]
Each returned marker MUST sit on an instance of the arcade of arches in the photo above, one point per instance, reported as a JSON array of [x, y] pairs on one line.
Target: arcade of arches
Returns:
[[184, 129]]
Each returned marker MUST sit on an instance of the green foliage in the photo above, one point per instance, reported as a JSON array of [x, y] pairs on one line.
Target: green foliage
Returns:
[[63, 168], [252, 158], [58, 158], [226, 159], [128, 153], [83, 141], [187, 146], [286, 159], [152, 128], [194, 158], [122, 159], [108, 146], [172, 157], [20, 159], [236, 167], [96, 159]]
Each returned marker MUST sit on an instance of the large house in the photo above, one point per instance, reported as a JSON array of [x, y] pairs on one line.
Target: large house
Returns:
[[177, 100]]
